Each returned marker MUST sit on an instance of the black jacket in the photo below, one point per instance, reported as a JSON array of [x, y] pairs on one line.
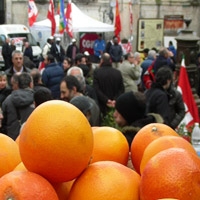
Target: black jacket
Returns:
[[108, 84], [158, 102], [9, 72], [6, 53], [59, 56], [16, 109], [177, 108], [70, 49]]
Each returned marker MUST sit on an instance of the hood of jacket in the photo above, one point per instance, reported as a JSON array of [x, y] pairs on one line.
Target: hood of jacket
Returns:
[[130, 131], [22, 97]]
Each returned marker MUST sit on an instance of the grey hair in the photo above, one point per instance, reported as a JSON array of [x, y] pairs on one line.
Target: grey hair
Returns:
[[151, 53], [74, 68], [136, 54], [80, 77], [17, 52]]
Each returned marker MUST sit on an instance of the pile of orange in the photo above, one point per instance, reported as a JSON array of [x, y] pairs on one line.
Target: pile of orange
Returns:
[[168, 164], [67, 159], [144, 137]]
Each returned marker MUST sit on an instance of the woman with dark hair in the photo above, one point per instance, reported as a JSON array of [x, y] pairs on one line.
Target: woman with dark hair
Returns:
[[67, 63]]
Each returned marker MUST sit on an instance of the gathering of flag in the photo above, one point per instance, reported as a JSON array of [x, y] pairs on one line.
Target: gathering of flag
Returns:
[[62, 19], [50, 16], [117, 20], [69, 19], [32, 12], [191, 109]]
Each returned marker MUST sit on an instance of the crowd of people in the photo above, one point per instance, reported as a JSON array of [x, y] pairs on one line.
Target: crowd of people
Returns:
[[140, 89]]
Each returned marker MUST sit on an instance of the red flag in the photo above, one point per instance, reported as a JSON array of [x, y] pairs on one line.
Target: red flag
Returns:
[[191, 108], [50, 16], [69, 19], [117, 20], [32, 12], [131, 16]]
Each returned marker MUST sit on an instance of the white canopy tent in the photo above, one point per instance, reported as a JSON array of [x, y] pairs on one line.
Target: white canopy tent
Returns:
[[80, 23]]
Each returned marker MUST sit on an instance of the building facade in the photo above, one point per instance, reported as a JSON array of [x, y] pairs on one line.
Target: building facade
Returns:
[[15, 12]]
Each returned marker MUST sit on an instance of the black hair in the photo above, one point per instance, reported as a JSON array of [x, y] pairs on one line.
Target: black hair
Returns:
[[78, 57], [42, 95], [24, 80], [72, 81], [163, 75], [50, 58], [146, 50], [69, 60]]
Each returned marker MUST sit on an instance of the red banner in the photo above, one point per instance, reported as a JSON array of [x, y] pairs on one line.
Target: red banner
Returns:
[[87, 42], [117, 20]]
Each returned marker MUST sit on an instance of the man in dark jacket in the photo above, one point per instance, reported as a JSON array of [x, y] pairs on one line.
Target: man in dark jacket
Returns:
[[17, 60], [108, 83], [18, 106], [28, 51], [72, 50], [177, 108], [116, 53], [6, 53], [57, 51], [157, 98], [52, 75], [163, 59]]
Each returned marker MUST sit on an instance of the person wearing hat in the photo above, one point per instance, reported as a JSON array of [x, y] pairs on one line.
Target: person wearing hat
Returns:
[[47, 47], [84, 105], [45, 50], [58, 51], [130, 114], [72, 50]]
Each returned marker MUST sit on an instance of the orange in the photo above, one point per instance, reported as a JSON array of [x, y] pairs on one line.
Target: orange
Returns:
[[163, 143], [106, 180], [145, 136], [9, 154], [23, 185], [63, 189], [172, 173], [56, 141], [110, 144], [20, 167]]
